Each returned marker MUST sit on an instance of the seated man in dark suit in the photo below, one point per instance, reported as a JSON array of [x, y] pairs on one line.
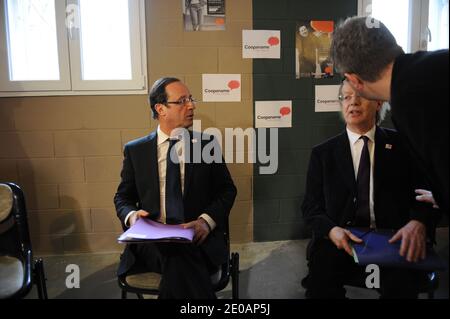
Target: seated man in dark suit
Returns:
[[362, 178], [161, 181]]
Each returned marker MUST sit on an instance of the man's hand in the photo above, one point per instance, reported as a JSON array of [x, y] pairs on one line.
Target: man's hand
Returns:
[[201, 230], [413, 236], [426, 197], [340, 237], [136, 215]]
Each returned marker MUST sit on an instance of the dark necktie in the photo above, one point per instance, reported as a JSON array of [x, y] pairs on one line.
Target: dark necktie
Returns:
[[174, 197], [363, 183]]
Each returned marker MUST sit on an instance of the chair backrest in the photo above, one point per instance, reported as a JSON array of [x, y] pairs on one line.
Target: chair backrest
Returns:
[[14, 232], [225, 267], [6, 204]]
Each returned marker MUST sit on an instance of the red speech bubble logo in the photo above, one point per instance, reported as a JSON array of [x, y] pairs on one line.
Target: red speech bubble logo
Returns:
[[285, 111], [273, 41], [234, 85]]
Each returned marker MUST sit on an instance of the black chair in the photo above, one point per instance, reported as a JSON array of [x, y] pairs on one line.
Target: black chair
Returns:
[[18, 270], [148, 283]]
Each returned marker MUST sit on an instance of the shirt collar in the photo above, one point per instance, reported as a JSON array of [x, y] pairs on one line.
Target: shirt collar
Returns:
[[354, 137], [162, 137]]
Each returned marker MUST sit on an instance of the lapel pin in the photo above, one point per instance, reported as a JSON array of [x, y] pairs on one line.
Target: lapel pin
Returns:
[[388, 146]]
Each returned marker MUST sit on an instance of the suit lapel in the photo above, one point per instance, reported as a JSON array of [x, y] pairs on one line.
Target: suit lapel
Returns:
[[344, 158], [150, 158], [380, 158]]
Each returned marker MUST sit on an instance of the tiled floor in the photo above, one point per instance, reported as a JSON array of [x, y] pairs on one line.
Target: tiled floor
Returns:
[[271, 270]]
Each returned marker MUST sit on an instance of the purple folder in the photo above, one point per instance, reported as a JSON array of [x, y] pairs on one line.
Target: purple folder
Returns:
[[147, 230]]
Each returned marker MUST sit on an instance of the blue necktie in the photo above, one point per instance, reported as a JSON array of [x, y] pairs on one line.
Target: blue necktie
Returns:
[[363, 184], [174, 196]]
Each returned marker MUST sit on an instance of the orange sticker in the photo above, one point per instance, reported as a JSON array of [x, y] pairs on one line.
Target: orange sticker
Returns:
[[323, 26]]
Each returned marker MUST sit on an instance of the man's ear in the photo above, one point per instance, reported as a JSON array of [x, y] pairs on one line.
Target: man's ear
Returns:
[[379, 105], [355, 81], [160, 109]]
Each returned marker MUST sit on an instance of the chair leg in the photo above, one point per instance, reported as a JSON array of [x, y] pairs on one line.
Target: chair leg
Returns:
[[40, 279], [140, 296], [235, 275], [124, 294]]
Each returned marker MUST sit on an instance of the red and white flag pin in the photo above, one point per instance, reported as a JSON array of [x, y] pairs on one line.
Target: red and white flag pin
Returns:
[[388, 146]]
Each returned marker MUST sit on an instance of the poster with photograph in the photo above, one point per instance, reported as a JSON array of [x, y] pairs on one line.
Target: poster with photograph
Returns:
[[204, 15], [313, 42]]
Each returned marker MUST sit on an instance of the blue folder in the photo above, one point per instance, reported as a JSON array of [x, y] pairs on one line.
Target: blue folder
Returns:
[[377, 250]]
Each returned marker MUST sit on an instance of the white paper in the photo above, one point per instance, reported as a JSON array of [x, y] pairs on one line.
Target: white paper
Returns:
[[222, 87], [327, 98], [261, 44], [270, 114]]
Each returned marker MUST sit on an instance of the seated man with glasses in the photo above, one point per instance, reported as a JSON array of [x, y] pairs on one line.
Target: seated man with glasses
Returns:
[[363, 177], [159, 183]]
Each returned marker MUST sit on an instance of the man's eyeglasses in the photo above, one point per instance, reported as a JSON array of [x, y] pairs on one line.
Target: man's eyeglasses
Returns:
[[184, 101], [347, 98]]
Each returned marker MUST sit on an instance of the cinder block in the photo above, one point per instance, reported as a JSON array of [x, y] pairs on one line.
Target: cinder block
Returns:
[[240, 234], [103, 169], [241, 213], [87, 143], [93, 195], [26, 145], [41, 196], [59, 222], [105, 220], [92, 243], [51, 171], [8, 171], [50, 113], [244, 188]]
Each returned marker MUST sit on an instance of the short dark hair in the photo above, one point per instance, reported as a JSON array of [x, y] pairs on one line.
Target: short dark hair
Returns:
[[363, 46], [158, 94]]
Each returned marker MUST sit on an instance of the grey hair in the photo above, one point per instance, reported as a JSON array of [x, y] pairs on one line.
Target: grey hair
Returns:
[[363, 47], [380, 115]]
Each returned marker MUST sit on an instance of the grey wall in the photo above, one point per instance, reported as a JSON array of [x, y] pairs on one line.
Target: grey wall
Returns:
[[277, 198]]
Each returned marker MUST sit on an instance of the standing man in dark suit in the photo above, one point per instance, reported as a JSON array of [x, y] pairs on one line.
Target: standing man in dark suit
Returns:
[[361, 178], [416, 85], [161, 181]]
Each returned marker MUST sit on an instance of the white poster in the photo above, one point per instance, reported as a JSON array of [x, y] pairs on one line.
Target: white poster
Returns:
[[273, 114], [327, 98], [261, 44], [222, 87]]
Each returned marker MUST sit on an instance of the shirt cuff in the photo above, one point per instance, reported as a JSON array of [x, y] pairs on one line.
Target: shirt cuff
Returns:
[[128, 218], [209, 220]]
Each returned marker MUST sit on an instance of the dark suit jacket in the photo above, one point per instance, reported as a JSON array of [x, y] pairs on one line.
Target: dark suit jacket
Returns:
[[420, 105], [330, 198], [208, 188]]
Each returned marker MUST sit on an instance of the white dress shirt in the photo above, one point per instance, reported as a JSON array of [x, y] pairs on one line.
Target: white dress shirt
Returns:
[[162, 148], [356, 146]]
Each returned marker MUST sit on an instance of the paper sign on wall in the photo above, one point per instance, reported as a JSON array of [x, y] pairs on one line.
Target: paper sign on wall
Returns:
[[273, 114], [261, 44], [327, 98], [222, 87]]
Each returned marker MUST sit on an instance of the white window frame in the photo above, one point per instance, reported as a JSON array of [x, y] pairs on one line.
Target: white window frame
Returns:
[[418, 23], [71, 82]]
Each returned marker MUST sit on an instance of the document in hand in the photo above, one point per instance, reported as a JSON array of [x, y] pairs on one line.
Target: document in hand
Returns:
[[377, 250], [147, 230]]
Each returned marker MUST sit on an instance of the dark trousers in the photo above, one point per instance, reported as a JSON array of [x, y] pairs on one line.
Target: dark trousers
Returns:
[[184, 268], [330, 269]]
